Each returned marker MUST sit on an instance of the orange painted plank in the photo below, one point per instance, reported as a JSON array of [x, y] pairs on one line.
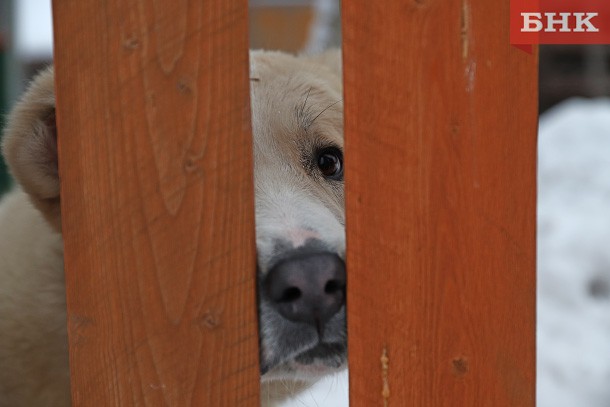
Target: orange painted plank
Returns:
[[440, 123], [157, 202]]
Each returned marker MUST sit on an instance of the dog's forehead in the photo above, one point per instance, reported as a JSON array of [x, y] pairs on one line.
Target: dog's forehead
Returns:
[[294, 102]]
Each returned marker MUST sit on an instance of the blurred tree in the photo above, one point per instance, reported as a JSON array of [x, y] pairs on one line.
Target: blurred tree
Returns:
[[5, 14]]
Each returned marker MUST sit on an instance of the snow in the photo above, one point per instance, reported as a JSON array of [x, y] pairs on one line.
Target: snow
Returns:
[[574, 255]]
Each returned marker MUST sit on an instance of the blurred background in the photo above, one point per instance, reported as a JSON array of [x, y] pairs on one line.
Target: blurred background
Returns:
[[574, 184]]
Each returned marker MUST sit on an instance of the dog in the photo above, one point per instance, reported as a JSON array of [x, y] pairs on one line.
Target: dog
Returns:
[[297, 125]]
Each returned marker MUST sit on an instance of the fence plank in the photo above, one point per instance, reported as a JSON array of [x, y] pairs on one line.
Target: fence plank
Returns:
[[155, 161], [441, 117]]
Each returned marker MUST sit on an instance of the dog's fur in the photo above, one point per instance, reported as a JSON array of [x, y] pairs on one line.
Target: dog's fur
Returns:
[[296, 110]]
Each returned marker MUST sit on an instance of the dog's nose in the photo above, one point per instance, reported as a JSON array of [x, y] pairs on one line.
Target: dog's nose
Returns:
[[307, 287]]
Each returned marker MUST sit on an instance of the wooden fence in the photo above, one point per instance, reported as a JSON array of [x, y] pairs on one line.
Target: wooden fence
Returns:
[[440, 127]]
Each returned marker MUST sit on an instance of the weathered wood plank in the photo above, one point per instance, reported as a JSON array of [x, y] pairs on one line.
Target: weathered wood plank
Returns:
[[156, 170], [441, 117]]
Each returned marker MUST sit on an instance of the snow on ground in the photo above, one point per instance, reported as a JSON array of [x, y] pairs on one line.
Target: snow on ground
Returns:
[[574, 255], [573, 263]]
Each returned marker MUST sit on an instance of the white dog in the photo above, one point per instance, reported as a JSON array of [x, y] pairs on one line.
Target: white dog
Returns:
[[297, 120]]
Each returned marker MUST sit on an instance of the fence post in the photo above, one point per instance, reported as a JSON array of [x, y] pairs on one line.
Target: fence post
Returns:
[[441, 118], [156, 169]]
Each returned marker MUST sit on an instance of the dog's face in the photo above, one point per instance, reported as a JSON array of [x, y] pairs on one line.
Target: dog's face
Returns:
[[297, 121]]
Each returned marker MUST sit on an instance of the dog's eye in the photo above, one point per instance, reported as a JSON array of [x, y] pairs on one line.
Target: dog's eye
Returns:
[[330, 163]]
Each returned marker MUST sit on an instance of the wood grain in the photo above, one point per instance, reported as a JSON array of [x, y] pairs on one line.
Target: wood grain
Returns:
[[157, 201], [440, 122]]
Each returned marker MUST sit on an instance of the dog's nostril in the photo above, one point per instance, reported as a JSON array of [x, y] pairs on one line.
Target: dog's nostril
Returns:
[[290, 294], [333, 286]]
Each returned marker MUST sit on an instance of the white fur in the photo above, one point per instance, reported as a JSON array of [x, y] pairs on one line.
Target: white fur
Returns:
[[33, 339]]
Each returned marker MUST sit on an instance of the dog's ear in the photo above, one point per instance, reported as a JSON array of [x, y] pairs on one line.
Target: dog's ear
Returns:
[[29, 146]]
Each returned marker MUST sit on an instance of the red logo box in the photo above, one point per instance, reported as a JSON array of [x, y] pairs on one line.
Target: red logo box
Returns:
[[559, 22]]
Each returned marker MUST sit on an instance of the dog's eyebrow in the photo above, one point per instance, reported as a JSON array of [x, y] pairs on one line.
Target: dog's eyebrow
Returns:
[[306, 98], [323, 110], [304, 117]]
